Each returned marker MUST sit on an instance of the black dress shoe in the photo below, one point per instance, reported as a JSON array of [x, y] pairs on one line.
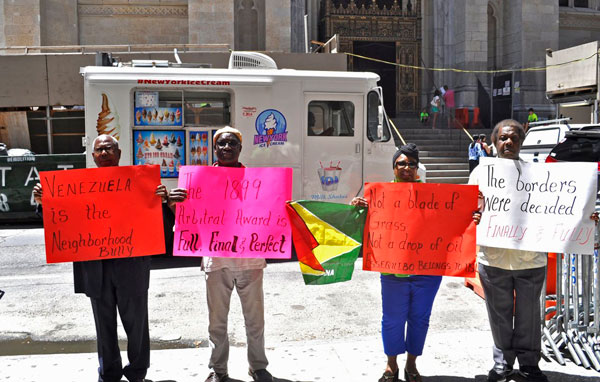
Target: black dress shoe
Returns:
[[500, 373], [388, 376], [260, 375], [216, 377], [530, 374]]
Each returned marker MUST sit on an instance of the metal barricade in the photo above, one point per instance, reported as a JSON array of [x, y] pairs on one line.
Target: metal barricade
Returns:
[[573, 330]]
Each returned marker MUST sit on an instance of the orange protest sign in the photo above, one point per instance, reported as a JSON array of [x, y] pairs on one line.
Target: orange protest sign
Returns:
[[102, 213], [420, 229]]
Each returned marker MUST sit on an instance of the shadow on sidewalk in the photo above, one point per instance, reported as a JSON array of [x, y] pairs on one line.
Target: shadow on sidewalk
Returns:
[[445, 378], [552, 376], [275, 379]]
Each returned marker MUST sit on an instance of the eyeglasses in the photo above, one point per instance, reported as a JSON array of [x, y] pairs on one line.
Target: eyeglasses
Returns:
[[109, 150], [412, 165], [232, 144]]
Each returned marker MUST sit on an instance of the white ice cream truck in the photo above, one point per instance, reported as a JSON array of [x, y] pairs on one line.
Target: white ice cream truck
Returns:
[[329, 127]]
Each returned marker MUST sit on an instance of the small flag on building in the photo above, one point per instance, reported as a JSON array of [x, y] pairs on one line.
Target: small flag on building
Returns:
[[328, 239]]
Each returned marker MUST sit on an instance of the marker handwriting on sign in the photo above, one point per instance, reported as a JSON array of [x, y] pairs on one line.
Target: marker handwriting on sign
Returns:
[[233, 212], [238, 189], [62, 190], [408, 232], [193, 192], [415, 200], [537, 206], [85, 218]]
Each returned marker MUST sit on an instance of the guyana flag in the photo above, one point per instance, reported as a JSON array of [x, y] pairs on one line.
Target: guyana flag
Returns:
[[328, 239]]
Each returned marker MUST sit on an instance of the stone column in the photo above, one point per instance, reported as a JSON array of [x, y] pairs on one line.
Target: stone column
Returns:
[[297, 12], [539, 31], [210, 22], [20, 22], [59, 24], [459, 41], [470, 51], [278, 25]]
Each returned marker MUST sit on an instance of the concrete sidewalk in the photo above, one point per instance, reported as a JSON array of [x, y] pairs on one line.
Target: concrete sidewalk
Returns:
[[312, 333], [360, 360]]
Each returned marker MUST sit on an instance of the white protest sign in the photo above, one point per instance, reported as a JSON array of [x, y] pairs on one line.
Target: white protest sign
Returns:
[[542, 207]]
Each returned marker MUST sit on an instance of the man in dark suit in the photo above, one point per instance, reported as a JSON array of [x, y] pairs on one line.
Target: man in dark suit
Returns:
[[116, 284]]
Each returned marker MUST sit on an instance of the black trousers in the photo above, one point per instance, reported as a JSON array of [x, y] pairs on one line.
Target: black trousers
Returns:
[[512, 299], [133, 311]]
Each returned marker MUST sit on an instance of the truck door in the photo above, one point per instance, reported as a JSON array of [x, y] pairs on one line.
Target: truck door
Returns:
[[332, 148]]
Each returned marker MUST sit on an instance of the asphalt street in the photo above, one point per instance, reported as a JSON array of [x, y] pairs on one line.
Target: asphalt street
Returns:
[[313, 333]]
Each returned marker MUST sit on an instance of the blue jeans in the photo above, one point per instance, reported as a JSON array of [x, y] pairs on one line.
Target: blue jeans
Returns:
[[406, 303]]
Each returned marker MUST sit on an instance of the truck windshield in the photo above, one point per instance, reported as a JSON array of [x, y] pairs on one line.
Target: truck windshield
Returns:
[[375, 131], [540, 137]]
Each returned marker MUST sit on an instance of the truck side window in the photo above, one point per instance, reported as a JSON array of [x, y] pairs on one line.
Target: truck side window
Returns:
[[374, 134], [207, 108], [330, 118]]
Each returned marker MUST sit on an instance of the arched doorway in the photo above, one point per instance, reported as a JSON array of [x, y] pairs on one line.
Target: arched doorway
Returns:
[[388, 30], [385, 51]]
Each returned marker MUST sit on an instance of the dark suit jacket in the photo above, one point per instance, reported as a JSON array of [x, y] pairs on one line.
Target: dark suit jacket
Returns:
[[131, 275]]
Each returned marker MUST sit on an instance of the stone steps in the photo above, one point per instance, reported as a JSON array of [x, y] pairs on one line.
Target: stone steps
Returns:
[[447, 166], [461, 173], [448, 180], [444, 160], [442, 151]]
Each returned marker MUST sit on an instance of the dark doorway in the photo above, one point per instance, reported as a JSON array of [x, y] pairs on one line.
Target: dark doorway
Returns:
[[502, 97], [385, 51]]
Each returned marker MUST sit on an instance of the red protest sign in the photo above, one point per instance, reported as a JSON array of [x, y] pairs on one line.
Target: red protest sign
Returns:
[[420, 229], [102, 213]]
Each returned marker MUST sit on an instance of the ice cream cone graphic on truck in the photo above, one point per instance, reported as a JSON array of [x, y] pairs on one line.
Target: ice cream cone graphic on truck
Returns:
[[108, 120]]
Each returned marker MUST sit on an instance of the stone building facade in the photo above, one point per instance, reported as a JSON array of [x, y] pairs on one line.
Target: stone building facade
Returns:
[[475, 37], [472, 36], [264, 25]]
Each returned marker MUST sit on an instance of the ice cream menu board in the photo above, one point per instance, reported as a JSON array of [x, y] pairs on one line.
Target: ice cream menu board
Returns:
[[199, 148], [158, 116], [165, 148]]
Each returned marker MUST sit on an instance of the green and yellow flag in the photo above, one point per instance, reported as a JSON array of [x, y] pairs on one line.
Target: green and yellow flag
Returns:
[[328, 239]]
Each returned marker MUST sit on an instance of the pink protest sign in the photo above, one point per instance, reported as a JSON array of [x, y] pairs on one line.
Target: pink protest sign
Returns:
[[234, 212]]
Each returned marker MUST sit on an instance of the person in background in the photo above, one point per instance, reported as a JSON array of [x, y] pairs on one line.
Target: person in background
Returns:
[[486, 150], [474, 153], [424, 116], [116, 284], [449, 105], [223, 275], [435, 106], [406, 299], [532, 117], [512, 281]]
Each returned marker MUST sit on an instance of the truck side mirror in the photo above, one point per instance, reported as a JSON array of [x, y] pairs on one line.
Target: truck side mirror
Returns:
[[379, 121]]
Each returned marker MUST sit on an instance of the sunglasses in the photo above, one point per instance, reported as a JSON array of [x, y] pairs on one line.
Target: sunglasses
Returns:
[[412, 165], [232, 144]]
